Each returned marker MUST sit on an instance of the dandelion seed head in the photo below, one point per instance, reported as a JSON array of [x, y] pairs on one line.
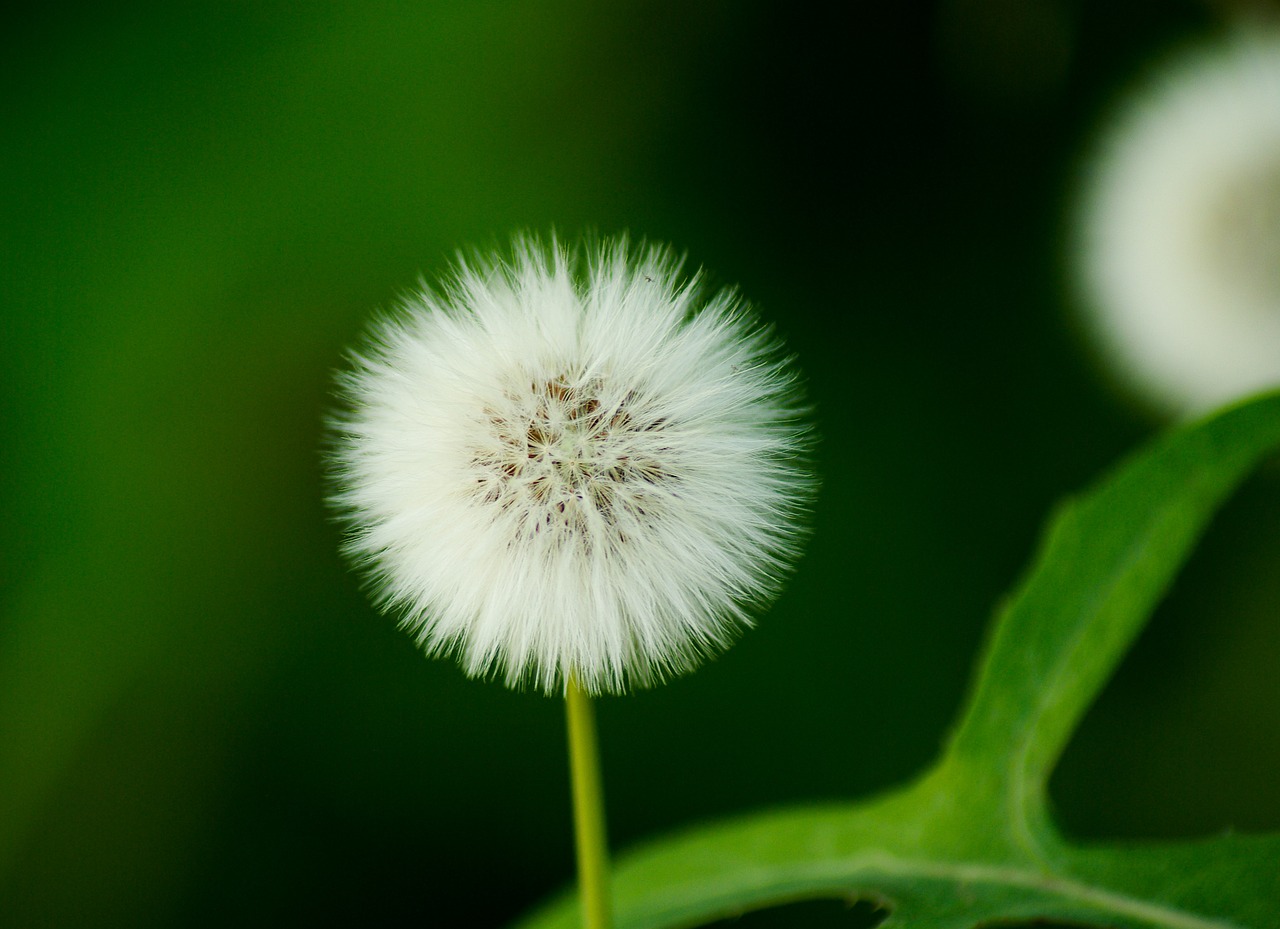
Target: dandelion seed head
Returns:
[[1180, 229], [572, 463]]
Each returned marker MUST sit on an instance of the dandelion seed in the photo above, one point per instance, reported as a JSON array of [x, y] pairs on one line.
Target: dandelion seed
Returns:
[[1180, 246], [572, 465]]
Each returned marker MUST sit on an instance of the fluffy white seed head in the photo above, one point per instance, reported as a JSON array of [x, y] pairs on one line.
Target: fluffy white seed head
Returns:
[[1180, 248], [566, 463]]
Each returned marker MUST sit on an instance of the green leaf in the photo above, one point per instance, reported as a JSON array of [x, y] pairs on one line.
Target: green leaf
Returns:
[[971, 842]]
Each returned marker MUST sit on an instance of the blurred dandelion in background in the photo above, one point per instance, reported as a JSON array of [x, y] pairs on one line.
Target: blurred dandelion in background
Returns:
[[563, 467], [1179, 247]]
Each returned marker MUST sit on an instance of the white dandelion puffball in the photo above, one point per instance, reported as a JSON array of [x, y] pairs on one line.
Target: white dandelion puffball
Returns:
[[570, 463], [1180, 229]]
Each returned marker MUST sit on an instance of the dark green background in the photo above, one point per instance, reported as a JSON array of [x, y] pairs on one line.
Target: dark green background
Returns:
[[203, 722]]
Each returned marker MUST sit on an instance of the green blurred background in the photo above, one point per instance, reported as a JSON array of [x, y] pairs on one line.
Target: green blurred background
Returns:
[[204, 723]]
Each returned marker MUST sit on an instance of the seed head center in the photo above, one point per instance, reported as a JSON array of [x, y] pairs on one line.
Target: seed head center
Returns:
[[1245, 231], [570, 454]]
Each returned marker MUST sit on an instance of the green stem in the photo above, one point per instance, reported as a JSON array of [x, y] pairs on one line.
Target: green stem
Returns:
[[588, 808]]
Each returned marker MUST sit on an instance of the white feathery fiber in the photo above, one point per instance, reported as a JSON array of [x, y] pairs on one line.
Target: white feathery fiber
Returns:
[[572, 462]]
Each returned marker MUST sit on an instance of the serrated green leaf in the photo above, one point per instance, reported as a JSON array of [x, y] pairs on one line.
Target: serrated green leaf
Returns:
[[1105, 561], [971, 842]]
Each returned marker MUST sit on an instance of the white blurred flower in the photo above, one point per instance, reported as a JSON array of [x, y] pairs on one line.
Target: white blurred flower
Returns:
[[1181, 229], [572, 465]]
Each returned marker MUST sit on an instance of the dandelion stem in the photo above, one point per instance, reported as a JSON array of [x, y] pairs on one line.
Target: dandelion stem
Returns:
[[588, 808]]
